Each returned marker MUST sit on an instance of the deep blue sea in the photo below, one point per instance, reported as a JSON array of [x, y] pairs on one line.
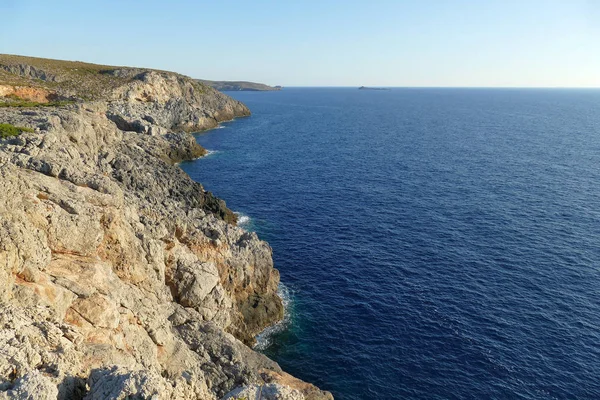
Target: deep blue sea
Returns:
[[433, 243]]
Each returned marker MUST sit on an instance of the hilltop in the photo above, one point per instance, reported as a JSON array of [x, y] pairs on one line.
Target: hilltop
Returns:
[[72, 79], [137, 98]]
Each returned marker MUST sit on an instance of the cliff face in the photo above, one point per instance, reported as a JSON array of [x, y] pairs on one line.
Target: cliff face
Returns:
[[119, 275]]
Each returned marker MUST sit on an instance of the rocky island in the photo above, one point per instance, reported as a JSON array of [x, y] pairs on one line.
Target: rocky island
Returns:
[[372, 88], [120, 277], [237, 86]]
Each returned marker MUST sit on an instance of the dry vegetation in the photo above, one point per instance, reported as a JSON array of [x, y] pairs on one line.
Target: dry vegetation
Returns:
[[70, 79], [67, 80]]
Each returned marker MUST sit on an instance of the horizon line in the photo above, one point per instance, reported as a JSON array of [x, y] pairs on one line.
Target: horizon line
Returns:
[[309, 86], [438, 87]]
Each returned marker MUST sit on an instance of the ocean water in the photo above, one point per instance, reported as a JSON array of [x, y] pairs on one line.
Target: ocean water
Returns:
[[432, 243]]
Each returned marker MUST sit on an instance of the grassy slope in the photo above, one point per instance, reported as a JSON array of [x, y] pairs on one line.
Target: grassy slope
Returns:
[[83, 80], [77, 79]]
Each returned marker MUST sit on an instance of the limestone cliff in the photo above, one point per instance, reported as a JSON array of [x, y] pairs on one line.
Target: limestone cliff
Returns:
[[119, 275]]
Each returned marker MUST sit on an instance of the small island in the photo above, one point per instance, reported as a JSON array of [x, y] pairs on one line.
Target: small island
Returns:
[[372, 88]]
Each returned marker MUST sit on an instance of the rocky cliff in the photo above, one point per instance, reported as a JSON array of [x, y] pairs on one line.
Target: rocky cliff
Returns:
[[120, 277]]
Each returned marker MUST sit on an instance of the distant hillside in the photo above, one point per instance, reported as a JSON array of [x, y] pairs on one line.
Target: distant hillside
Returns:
[[72, 80], [135, 98], [233, 86]]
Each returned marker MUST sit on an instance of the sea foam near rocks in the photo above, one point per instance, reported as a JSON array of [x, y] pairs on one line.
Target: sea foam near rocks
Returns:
[[266, 338], [211, 152], [243, 220]]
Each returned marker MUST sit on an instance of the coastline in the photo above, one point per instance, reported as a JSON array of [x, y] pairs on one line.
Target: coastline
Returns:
[[208, 152], [264, 337], [128, 276]]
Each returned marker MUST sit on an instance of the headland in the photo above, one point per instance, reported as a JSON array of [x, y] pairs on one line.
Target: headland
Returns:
[[120, 277]]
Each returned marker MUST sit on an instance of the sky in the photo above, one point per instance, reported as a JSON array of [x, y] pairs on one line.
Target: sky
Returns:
[[456, 43]]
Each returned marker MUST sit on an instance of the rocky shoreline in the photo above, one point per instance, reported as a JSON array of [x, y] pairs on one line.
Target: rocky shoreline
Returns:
[[119, 275]]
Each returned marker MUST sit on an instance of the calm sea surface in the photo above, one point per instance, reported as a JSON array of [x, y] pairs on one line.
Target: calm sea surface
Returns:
[[433, 243]]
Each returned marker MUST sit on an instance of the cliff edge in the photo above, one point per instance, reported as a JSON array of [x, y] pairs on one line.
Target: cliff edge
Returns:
[[120, 277]]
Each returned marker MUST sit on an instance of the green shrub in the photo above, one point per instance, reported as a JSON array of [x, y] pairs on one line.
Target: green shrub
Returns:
[[27, 103], [8, 130]]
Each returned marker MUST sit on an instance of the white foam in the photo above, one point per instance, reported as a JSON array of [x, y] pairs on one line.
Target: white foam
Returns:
[[210, 152], [243, 220], [265, 338]]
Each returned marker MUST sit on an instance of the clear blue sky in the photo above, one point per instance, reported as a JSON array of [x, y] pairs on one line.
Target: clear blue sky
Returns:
[[544, 43]]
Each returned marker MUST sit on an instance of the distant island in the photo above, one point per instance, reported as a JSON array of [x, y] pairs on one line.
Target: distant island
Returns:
[[235, 86], [372, 88]]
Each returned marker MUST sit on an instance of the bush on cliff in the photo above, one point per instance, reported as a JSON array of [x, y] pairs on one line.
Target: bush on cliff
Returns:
[[8, 130], [28, 103]]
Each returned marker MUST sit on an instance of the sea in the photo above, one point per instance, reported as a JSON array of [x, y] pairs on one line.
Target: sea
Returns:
[[432, 243]]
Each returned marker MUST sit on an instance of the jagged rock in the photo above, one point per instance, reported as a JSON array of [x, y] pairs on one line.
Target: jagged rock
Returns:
[[120, 384], [194, 282], [33, 386], [264, 392], [309, 391], [171, 101], [98, 311]]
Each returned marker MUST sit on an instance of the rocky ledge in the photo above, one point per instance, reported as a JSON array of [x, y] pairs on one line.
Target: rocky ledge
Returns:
[[120, 277]]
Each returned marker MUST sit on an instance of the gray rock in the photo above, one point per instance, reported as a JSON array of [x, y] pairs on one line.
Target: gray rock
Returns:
[[119, 384], [264, 392], [33, 386]]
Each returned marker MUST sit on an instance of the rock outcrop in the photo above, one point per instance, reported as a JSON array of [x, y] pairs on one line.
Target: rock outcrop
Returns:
[[120, 277]]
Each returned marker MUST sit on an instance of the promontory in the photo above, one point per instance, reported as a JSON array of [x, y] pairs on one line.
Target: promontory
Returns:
[[120, 277], [240, 86]]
